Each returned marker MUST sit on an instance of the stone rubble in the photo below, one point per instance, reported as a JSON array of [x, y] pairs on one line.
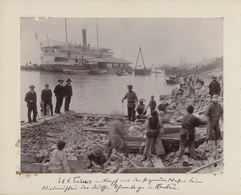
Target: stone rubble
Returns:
[[41, 140]]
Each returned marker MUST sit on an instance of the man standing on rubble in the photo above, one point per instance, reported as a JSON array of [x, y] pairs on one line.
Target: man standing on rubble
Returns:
[[131, 102], [214, 87], [31, 99], [46, 97], [68, 93], [189, 123], [59, 93], [214, 111]]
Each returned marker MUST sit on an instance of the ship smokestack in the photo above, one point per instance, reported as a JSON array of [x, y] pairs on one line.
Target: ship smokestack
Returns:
[[84, 37]]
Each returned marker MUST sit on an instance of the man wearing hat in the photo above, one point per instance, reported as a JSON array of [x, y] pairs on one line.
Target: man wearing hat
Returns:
[[131, 102], [214, 87], [31, 99], [59, 93], [214, 111], [46, 97], [97, 156], [68, 93]]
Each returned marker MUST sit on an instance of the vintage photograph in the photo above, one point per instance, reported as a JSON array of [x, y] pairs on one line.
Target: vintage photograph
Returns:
[[121, 95]]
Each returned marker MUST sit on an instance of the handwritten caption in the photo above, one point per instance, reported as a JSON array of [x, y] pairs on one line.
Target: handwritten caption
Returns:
[[135, 184]]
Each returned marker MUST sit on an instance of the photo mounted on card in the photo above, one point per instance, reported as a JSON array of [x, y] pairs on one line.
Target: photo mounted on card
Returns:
[[122, 95]]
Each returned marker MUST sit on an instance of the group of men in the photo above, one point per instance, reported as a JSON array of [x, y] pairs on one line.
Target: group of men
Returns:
[[141, 107], [60, 92]]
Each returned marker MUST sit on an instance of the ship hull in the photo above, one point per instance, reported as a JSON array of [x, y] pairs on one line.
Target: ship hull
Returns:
[[56, 67]]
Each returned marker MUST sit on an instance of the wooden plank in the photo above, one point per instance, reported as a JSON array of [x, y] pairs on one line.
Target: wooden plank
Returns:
[[155, 170], [167, 129], [157, 162]]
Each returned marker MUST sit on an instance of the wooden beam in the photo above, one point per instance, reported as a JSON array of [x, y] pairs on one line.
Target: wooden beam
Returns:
[[157, 162]]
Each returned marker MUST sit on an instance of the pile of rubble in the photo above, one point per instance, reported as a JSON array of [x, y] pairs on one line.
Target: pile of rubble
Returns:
[[41, 140]]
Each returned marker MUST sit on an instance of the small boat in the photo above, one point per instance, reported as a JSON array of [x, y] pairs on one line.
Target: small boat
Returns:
[[172, 79], [121, 72], [76, 71], [98, 71], [141, 71]]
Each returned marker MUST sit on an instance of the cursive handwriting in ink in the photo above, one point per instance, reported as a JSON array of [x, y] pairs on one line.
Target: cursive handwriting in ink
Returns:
[[107, 180], [133, 187], [171, 186], [79, 180], [192, 180]]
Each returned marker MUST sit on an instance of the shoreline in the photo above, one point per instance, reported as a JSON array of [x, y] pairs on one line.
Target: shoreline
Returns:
[[83, 130]]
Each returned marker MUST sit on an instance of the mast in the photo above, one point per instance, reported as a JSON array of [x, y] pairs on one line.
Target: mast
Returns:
[[97, 32], [66, 31]]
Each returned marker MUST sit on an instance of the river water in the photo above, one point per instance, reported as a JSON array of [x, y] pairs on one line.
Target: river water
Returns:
[[98, 94]]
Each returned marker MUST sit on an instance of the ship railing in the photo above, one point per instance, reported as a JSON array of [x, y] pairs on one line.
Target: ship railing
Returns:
[[52, 43]]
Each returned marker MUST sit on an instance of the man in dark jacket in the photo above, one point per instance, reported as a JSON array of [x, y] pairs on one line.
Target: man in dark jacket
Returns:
[[214, 87], [59, 93], [68, 93], [46, 97], [31, 99], [131, 103]]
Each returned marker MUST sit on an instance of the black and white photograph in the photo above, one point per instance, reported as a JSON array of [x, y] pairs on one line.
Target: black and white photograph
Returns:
[[122, 95]]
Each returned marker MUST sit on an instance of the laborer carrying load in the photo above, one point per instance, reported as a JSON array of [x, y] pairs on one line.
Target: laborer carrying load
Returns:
[[116, 137], [116, 141]]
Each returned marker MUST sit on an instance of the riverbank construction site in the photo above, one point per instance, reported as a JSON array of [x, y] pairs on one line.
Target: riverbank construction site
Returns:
[[81, 131]]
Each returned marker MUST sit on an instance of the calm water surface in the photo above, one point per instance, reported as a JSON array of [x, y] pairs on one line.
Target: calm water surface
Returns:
[[94, 93]]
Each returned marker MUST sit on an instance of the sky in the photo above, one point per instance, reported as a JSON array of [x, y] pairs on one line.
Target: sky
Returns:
[[163, 41]]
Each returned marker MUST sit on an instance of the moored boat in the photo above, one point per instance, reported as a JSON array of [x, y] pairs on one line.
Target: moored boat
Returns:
[[172, 79], [141, 71], [121, 72]]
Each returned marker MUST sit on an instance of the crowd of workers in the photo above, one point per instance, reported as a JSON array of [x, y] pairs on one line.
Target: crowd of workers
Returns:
[[154, 126]]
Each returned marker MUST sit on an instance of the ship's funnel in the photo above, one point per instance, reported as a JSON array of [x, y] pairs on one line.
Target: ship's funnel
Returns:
[[84, 37]]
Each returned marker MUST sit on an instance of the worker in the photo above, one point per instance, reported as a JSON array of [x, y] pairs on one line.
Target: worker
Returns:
[[46, 97], [68, 92], [189, 122], [152, 104], [214, 111], [59, 93], [214, 87], [97, 156], [141, 109], [154, 130], [58, 159], [31, 99], [117, 136], [131, 102]]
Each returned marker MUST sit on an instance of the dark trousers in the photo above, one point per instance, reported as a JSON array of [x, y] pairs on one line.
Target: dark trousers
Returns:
[[67, 102], [131, 113], [59, 102], [184, 142], [32, 107], [50, 105], [152, 109], [216, 129]]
